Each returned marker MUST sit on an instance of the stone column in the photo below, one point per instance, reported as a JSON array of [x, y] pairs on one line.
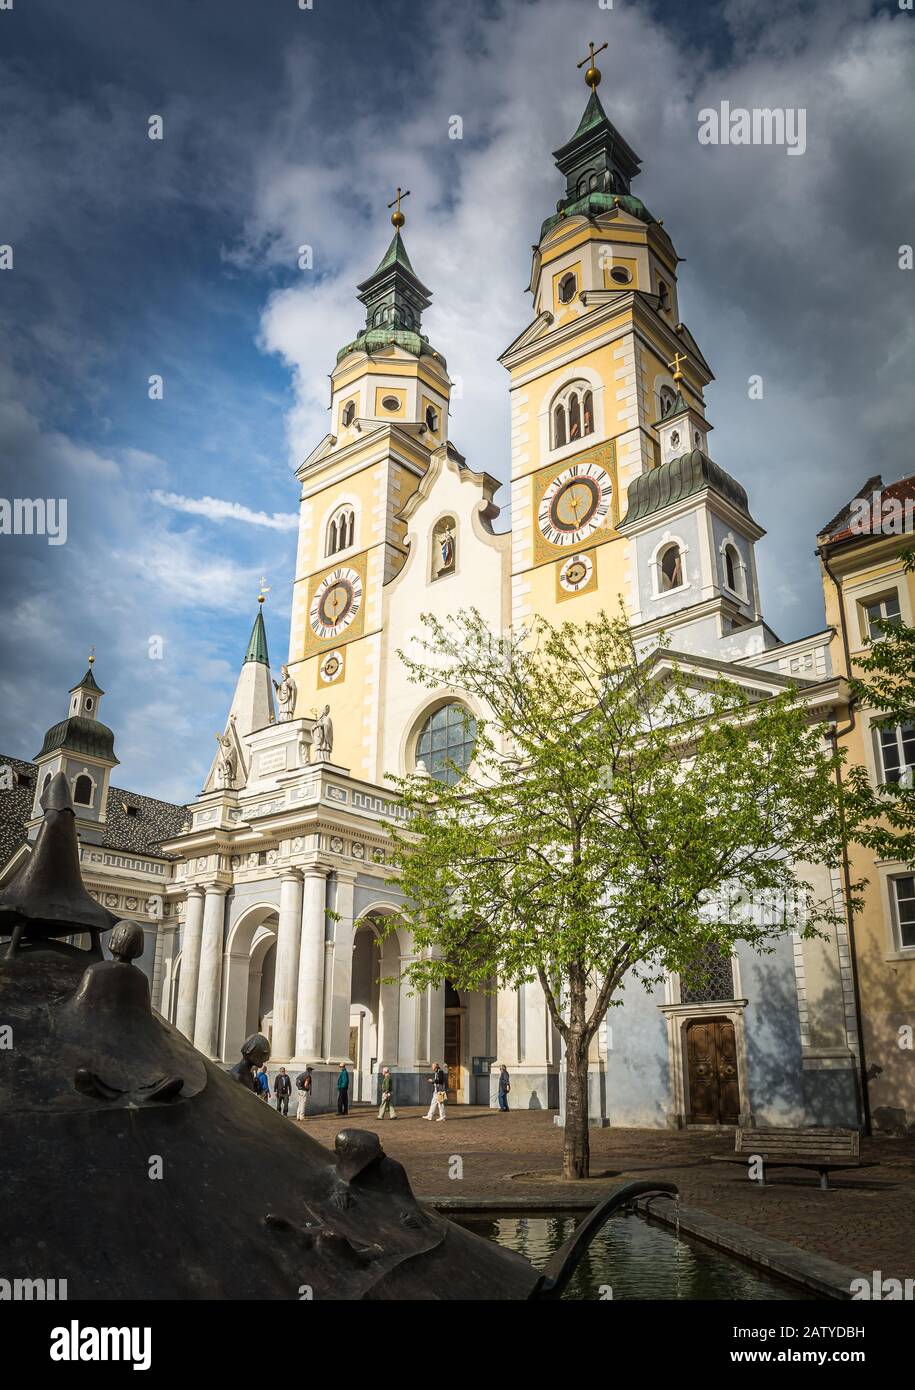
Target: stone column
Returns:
[[190, 963], [337, 1047], [309, 1023], [209, 984], [286, 980]]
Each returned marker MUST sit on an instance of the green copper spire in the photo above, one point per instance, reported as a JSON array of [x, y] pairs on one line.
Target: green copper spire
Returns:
[[394, 299], [257, 646], [396, 254], [599, 166]]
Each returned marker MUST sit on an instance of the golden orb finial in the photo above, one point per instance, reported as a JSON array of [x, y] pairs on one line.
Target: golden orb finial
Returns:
[[91, 657], [592, 76], [397, 217], [265, 589]]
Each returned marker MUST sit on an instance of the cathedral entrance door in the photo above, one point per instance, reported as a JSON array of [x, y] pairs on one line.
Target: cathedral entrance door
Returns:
[[714, 1089], [453, 1053]]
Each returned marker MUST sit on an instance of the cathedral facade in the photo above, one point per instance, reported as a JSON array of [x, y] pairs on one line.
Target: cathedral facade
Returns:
[[277, 881]]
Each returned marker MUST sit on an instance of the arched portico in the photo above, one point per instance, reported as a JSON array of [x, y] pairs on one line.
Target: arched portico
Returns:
[[377, 1000], [247, 976]]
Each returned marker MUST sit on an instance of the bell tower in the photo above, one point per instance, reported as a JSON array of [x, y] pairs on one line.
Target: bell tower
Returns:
[[390, 394], [590, 377]]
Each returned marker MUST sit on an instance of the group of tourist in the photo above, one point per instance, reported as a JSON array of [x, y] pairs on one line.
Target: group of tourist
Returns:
[[282, 1090]]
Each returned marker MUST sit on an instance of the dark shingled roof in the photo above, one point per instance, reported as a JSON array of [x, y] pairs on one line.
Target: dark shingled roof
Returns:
[[678, 478], [88, 682], [80, 735], [142, 833]]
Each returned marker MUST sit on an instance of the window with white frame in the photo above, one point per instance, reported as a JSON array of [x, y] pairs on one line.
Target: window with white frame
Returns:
[[666, 397], [572, 414], [83, 789], [671, 573], [879, 610], [897, 750], [733, 572], [341, 530], [902, 893]]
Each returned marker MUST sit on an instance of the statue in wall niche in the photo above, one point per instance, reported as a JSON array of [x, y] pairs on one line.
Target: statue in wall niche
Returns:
[[445, 548], [285, 695], [225, 762], [323, 735]]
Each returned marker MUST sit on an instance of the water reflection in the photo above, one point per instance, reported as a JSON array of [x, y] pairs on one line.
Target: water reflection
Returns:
[[635, 1260]]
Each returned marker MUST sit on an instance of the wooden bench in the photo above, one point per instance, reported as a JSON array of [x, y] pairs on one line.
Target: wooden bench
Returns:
[[826, 1150]]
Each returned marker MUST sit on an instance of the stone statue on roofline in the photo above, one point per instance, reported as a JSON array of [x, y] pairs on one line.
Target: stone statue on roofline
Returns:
[[323, 736], [285, 695]]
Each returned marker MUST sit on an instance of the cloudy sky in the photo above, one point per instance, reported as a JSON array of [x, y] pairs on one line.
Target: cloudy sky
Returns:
[[286, 127]]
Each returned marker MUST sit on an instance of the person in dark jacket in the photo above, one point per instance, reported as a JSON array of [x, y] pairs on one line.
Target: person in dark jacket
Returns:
[[343, 1090], [263, 1083], [282, 1087], [504, 1086], [439, 1092]]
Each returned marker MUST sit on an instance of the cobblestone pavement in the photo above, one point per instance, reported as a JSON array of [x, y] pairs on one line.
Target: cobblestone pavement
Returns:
[[867, 1222]]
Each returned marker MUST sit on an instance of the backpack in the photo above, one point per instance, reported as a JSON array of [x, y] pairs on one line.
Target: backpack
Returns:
[[300, 1081]]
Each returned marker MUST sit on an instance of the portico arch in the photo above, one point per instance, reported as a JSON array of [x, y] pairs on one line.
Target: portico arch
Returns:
[[246, 967], [375, 1007]]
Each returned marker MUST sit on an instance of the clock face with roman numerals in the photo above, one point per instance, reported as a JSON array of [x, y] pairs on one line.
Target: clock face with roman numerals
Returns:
[[575, 503], [336, 602]]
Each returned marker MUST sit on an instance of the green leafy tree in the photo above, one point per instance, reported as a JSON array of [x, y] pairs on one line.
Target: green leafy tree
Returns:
[[614, 824], [885, 814]]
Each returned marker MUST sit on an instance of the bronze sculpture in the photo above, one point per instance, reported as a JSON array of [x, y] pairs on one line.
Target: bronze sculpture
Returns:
[[148, 1172]]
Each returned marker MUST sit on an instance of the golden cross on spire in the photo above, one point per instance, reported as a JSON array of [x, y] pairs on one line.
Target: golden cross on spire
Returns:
[[397, 218], [265, 589], [592, 76], [675, 365]]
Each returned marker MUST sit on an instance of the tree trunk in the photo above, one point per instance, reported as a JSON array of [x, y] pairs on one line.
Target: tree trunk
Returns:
[[576, 1151]]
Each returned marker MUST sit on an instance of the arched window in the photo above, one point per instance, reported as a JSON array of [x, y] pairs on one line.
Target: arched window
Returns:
[[341, 530], [574, 417], [666, 398], [446, 742], [431, 418], [567, 287], [663, 295], [349, 413], [82, 790], [732, 568], [572, 414], [670, 569]]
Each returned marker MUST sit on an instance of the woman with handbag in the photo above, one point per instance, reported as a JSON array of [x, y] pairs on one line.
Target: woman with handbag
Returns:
[[439, 1092]]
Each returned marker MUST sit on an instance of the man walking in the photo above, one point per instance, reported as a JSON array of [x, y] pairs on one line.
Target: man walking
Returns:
[[262, 1081], [387, 1095], [282, 1087], [504, 1087], [303, 1091], [343, 1090], [439, 1092]]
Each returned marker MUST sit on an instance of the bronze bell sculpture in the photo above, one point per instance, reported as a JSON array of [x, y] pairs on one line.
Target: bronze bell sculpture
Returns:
[[149, 1172], [47, 900]]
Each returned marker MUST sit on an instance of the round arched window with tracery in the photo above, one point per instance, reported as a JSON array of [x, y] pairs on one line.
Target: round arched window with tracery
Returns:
[[446, 741]]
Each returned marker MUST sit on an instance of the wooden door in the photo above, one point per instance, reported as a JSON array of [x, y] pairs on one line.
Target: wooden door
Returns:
[[714, 1091], [453, 1053]]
